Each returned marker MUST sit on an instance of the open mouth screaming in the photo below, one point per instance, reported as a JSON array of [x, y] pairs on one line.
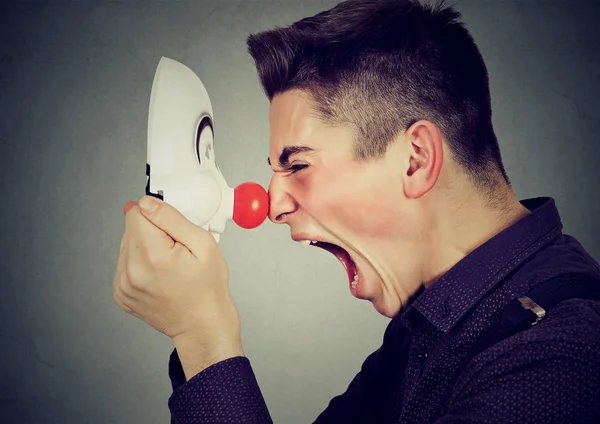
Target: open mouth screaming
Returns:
[[342, 256]]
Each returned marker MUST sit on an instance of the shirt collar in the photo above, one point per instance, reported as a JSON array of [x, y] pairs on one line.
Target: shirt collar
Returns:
[[457, 291]]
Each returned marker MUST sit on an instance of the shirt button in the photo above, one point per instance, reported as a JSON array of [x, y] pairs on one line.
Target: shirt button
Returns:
[[446, 308]]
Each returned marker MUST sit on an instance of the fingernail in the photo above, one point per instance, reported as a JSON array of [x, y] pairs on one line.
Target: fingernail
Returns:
[[148, 204]]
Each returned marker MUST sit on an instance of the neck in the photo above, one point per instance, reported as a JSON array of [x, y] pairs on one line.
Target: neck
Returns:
[[460, 227]]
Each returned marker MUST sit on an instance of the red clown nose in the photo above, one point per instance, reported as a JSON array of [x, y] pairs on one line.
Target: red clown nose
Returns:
[[250, 205]]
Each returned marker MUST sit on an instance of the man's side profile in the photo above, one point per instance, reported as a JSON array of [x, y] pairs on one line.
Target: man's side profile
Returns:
[[384, 154]]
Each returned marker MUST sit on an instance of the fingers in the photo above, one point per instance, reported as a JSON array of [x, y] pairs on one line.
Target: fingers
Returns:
[[118, 280], [122, 290], [127, 286], [122, 243], [119, 302], [178, 228], [121, 261], [153, 242], [137, 272], [128, 205], [129, 270]]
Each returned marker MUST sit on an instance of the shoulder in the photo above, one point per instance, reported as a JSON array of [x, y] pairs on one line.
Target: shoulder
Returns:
[[566, 341], [550, 371], [573, 325], [576, 320]]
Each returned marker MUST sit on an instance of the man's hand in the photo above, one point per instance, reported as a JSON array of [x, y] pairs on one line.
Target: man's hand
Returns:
[[172, 275]]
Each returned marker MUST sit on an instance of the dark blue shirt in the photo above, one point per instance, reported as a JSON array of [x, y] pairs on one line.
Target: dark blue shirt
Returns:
[[548, 373]]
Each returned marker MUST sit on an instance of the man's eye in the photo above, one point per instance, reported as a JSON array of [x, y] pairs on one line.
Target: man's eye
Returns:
[[296, 168]]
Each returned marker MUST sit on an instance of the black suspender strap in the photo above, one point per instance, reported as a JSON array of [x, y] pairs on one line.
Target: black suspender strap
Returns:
[[526, 311]]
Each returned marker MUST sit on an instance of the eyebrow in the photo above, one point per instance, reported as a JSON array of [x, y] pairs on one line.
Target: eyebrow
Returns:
[[284, 158]]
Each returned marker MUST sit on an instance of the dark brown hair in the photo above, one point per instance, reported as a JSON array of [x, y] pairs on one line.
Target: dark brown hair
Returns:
[[381, 65]]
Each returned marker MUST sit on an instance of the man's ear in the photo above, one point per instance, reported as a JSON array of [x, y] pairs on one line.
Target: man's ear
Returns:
[[426, 156]]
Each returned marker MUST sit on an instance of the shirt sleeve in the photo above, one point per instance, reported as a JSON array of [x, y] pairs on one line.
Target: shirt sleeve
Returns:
[[551, 382], [225, 392]]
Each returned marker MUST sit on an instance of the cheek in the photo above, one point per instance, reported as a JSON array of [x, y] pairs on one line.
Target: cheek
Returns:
[[352, 202], [366, 213]]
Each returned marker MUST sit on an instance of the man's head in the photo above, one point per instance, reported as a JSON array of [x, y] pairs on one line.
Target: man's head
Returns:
[[381, 131]]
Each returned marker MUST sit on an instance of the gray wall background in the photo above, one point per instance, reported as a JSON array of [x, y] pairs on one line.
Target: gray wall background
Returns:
[[75, 79]]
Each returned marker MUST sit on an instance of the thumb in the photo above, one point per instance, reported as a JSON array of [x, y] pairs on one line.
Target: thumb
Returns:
[[172, 222]]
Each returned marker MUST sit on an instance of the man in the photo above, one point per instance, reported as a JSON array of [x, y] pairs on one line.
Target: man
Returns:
[[384, 154]]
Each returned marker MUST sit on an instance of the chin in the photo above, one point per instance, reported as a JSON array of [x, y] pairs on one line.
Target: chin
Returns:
[[371, 291], [385, 309]]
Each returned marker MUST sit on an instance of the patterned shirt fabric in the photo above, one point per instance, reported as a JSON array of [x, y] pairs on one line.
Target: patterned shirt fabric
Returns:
[[549, 373]]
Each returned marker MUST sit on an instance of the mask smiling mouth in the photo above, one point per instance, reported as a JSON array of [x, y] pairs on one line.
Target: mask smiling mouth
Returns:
[[342, 255]]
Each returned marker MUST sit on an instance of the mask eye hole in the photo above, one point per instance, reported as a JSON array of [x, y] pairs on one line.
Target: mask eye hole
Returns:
[[204, 122], [208, 150]]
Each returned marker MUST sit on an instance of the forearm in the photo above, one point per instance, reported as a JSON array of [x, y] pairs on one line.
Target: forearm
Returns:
[[219, 382], [207, 345], [195, 355]]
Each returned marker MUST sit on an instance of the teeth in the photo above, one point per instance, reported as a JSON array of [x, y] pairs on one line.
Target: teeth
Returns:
[[355, 281], [305, 243]]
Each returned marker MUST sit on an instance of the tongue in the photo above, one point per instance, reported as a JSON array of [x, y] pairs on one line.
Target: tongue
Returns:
[[343, 257]]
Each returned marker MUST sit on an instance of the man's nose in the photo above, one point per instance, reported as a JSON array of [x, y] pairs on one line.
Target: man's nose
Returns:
[[281, 202]]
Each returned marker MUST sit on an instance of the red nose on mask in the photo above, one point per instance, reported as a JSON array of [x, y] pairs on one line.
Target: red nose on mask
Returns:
[[250, 205]]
